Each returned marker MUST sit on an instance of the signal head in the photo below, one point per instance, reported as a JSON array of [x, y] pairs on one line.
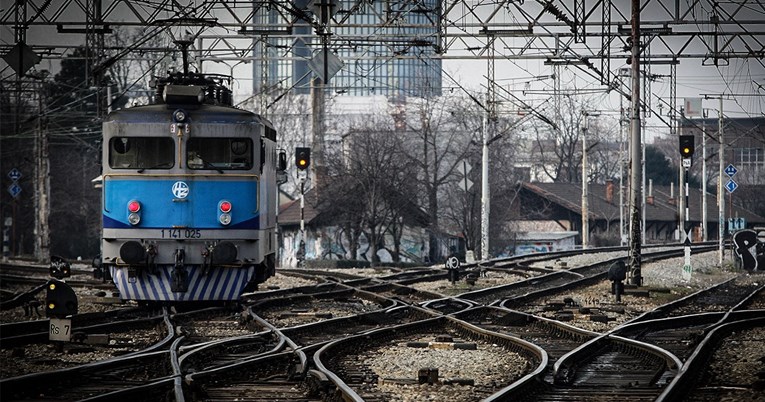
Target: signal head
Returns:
[[302, 157], [687, 146]]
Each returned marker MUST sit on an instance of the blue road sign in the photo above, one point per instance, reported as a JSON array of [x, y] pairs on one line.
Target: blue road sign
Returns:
[[14, 174], [731, 185], [731, 171], [14, 189], [736, 224]]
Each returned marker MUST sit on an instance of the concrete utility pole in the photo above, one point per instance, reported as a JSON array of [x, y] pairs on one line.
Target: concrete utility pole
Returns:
[[682, 177], [264, 89], [585, 212], [720, 188], [320, 88], [635, 277], [42, 188], [485, 190], [489, 117], [318, 117], [585, 206], [622, 234], [704, 226]]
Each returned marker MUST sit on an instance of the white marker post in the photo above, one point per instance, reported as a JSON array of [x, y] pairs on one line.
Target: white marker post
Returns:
[[687, 268]]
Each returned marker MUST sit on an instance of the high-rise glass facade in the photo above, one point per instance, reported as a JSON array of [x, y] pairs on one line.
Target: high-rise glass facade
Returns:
[[387, 48]]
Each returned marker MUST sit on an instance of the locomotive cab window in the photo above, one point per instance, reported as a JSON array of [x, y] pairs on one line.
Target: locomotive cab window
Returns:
[[219, 153], [141, 153]]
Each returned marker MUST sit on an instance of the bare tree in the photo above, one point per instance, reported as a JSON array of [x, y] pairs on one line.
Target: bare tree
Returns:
[[132, 74], [435, 141], [603, 149], [370, 188], [558, 151], [559, 148]]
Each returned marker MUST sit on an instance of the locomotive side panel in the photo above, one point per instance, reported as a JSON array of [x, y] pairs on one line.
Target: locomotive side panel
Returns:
[[269, 195]]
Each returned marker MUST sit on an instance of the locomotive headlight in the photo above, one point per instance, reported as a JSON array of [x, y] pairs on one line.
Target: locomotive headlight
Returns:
[[134, 218], [224, 217]]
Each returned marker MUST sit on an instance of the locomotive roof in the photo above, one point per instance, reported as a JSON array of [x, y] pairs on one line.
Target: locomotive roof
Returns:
[[163, 113]]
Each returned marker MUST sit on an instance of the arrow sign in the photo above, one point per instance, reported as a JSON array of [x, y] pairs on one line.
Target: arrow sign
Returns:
[[731, 186], [334, 64], [466, 184], [14, 189], [464, 168], [14, 174], [21, 58], [731, 171]]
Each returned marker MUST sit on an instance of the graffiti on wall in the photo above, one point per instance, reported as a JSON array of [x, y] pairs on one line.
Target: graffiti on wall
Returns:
[[749, 247], [330, 243], [531, 248]]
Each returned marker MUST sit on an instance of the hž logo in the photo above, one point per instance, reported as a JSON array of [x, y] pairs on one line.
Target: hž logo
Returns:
[[180, 189]]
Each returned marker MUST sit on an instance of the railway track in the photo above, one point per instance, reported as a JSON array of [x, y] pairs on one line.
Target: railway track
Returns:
[[266, 378], [725, 296], [295, 310], [22, 333], [554, 337], [319, 333], [404, 294], [718, 370], [639, 361], [95, 377], [326, 342], [359, 370]]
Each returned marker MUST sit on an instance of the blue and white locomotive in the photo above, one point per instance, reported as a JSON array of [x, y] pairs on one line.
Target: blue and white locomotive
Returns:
[[189, 195]]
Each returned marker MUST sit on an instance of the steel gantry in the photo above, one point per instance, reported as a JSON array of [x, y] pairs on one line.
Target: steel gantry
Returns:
[[571, 30]]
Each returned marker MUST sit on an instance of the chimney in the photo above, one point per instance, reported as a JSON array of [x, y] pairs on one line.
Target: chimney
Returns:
[[610, 191], [649, 198]]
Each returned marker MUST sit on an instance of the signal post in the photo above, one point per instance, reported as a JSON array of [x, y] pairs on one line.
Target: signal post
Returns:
[[687, 148], [302, 162], [60, 302]]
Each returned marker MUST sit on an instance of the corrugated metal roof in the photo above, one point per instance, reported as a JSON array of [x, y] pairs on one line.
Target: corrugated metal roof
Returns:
[[289, 212], [569, 196]]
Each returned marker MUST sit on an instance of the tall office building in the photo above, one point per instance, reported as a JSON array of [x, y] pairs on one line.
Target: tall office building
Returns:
[[385, 46]]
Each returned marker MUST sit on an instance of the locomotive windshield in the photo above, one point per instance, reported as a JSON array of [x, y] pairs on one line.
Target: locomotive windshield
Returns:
[[219, 153], [141, 153]]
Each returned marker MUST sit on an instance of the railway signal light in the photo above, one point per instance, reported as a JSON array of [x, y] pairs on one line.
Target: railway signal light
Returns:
[[302, 157], [282, 165], [687, 145], [60, 299]]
